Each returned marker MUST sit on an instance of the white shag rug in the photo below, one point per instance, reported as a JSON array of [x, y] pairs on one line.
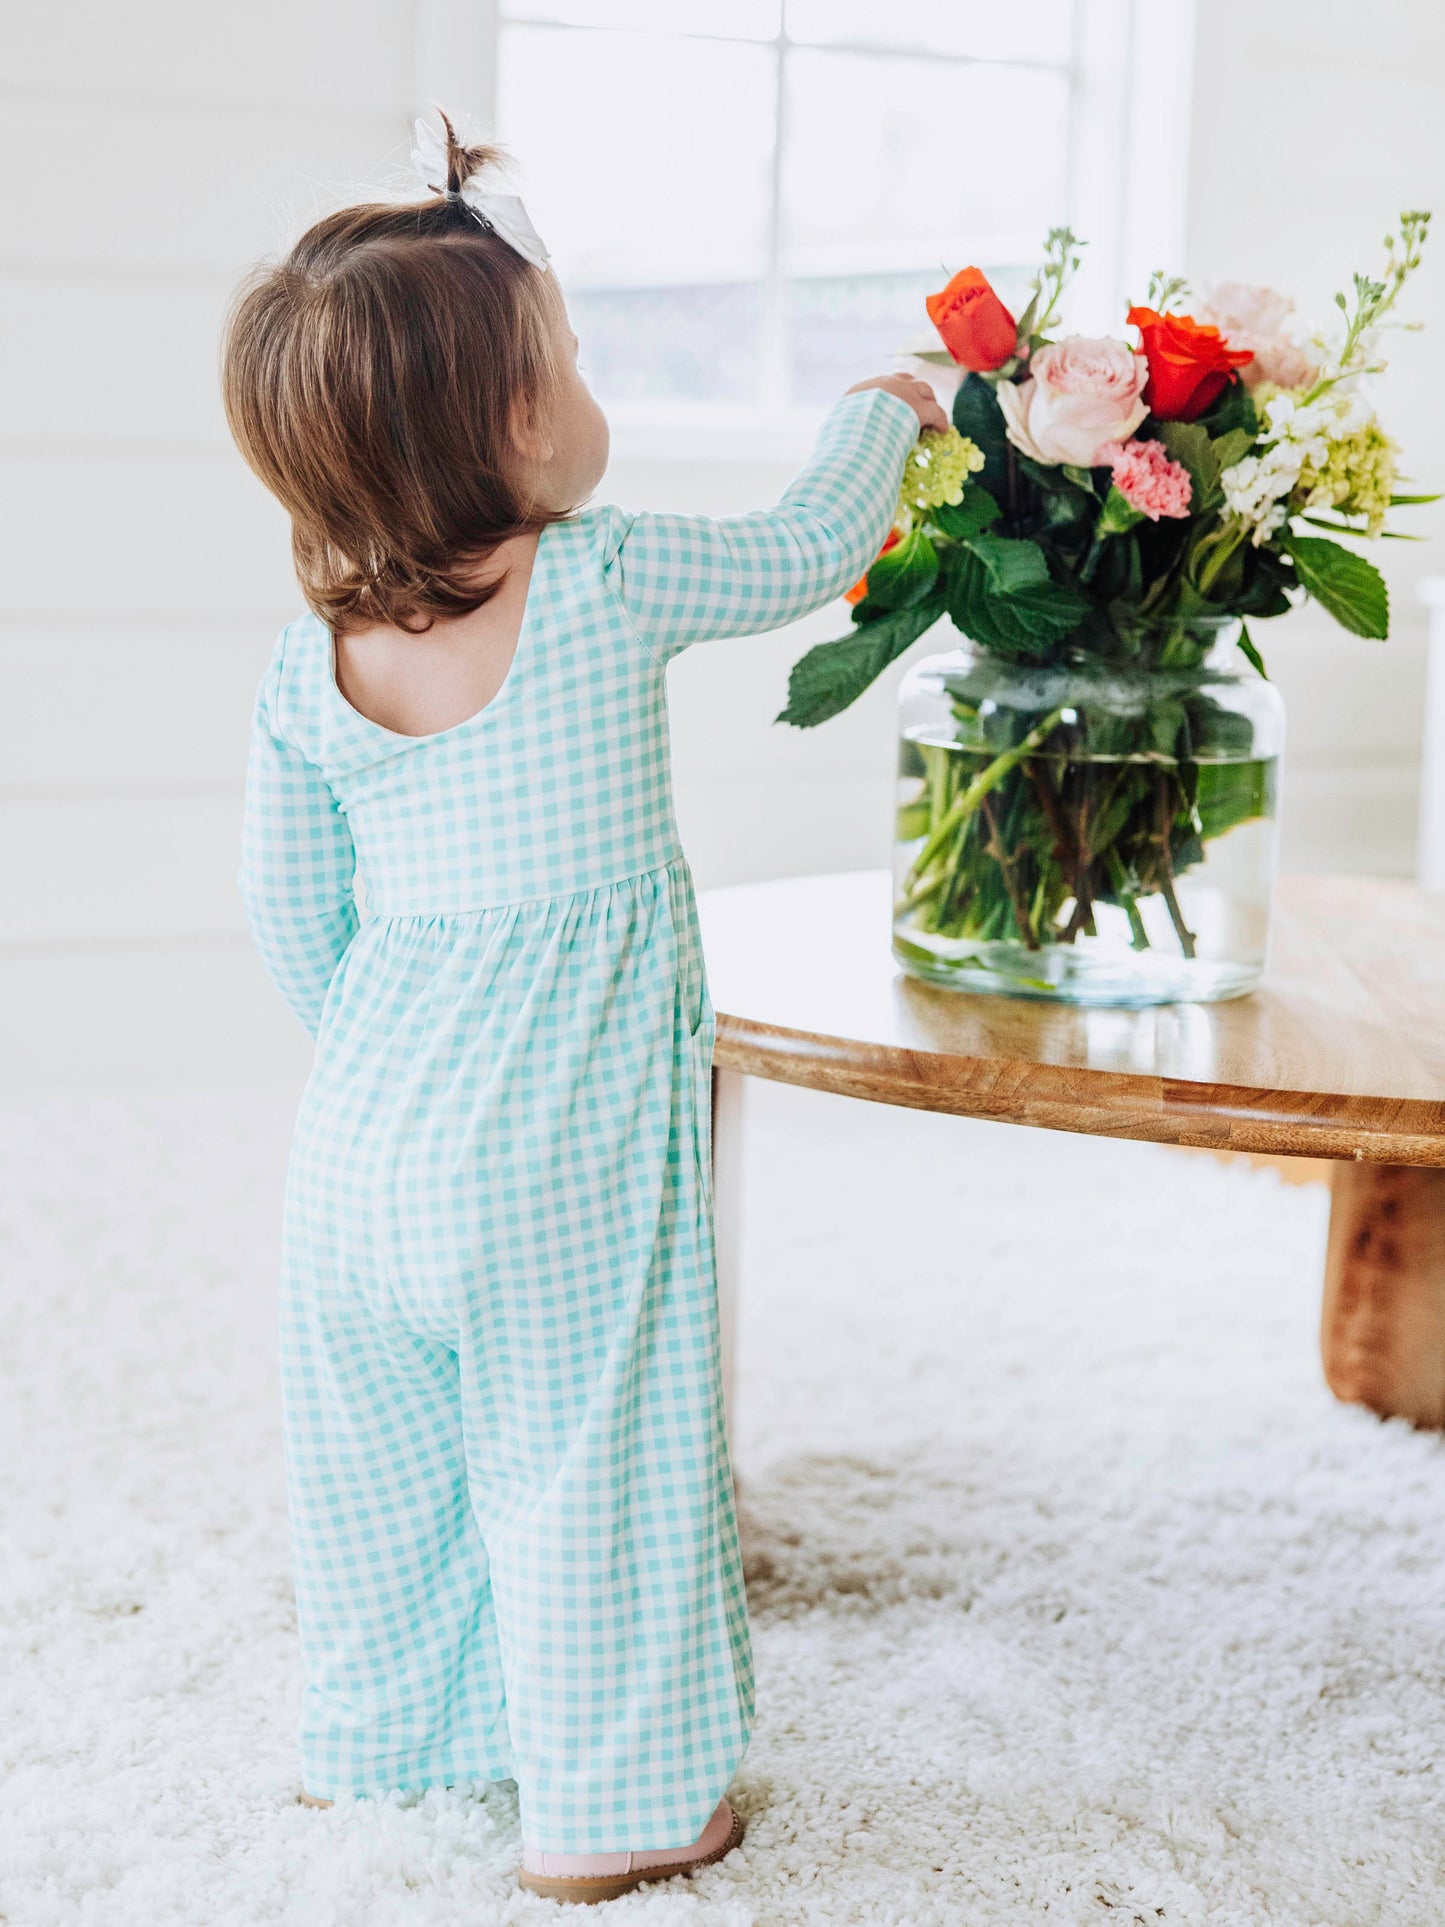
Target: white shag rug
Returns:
[[1076, 1597]]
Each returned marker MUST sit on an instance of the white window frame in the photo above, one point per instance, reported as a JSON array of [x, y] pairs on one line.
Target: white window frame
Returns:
[[1128, 159]]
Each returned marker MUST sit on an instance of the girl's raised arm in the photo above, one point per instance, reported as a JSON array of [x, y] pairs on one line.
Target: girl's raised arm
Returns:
[[297, 865], [686, 578]]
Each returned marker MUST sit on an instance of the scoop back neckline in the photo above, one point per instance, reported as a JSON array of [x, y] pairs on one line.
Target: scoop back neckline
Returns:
[[494, 702]]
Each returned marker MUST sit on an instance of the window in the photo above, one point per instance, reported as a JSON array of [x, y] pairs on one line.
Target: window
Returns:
[[747, 200]]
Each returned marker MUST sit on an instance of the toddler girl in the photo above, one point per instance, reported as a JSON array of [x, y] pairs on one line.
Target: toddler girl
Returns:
[[511, 1506]]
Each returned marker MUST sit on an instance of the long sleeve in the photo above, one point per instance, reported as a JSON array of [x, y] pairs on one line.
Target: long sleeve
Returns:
[[686, 578], [297, 864]]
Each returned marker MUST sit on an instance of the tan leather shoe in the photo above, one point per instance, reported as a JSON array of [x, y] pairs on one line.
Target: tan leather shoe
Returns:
[[588, 1877], [310, 1800]]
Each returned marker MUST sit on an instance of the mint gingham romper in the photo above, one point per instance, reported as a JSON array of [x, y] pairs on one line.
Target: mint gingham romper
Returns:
[[511, 1505]]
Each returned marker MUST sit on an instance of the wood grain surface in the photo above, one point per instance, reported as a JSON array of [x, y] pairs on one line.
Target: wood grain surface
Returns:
[[1341, 1053]]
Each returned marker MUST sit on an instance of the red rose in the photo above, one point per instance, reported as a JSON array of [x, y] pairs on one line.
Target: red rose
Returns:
[[1189, 364], [977, 329], [860, 587]]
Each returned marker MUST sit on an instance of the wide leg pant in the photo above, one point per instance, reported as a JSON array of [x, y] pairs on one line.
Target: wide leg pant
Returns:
[[512, 1514]]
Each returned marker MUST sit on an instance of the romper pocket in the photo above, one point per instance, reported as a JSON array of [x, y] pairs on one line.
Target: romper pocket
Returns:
[[694, 1001], [693, 998]]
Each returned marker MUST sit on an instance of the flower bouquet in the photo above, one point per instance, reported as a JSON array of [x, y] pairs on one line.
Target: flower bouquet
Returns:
[[1088, 784]]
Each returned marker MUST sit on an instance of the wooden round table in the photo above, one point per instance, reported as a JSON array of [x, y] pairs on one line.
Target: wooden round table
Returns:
[[1341, 1055]]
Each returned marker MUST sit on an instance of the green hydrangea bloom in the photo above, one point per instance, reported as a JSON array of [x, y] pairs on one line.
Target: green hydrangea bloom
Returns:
[[938, 466], [1356, 477]]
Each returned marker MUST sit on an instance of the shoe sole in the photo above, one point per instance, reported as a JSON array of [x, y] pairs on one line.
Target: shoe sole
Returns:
[[586, 1889]]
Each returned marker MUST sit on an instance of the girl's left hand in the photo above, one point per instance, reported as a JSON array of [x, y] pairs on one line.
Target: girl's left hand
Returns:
[[919, 396]]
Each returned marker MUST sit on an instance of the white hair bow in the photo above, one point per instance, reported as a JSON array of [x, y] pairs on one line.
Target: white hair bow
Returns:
[[504, 214]]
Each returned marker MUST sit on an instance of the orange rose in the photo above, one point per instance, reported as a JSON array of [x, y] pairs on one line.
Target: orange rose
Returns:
[[1189, 364], [977, 329], [860, 587]]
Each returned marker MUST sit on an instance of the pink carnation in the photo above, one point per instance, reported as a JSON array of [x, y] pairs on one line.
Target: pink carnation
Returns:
[[1147, 479]]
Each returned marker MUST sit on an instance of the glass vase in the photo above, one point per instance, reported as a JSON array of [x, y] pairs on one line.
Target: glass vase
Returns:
[[1096, 832]]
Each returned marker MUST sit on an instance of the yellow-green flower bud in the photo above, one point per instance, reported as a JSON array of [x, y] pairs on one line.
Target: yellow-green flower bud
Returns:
[[938, 466], [1356, 477]]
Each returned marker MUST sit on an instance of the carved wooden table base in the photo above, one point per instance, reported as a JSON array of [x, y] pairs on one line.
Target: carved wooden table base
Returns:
[[1383, 1330], [1340, 1055]]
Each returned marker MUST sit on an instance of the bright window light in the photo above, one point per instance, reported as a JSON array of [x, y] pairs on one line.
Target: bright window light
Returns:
[[746, 200]]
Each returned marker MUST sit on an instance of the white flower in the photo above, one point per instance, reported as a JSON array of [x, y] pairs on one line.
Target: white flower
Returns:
[[1255, 489], [1296, 434]]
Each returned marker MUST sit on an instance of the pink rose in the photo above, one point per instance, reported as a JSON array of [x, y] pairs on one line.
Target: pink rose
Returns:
[[1080, 394], [1253, 318]]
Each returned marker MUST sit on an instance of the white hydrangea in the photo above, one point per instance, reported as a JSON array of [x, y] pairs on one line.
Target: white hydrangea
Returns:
[[1257, 488]]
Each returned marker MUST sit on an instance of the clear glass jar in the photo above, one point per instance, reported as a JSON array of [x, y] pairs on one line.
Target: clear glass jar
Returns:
[[1098, 832]]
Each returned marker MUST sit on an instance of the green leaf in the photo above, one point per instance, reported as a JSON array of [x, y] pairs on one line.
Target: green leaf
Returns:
[[1409, 501], [1206, 455], [1233, 408], [976, 413], [1108, 635], [1232, 793], [1266, 577], [1011, 565], [1045, 475], [1249, 652], [1080, 477], [1024, 622], [902, 577], [1349, 587], [1188, 444], [1029, 315], [834, 674], [1191, 603], [1067, 516], [1217, 733], [1231, 448], [1350, 528], [1161, 726], [969, 517]]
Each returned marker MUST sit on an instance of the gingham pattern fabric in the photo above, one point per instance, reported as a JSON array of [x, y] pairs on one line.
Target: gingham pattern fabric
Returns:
[[511, 1503]]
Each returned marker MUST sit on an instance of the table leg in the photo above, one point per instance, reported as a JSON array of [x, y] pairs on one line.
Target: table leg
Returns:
[[1383, 1329], [727, 1173]]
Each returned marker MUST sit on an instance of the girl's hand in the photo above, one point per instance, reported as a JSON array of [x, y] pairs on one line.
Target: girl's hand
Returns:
[[919, 396]]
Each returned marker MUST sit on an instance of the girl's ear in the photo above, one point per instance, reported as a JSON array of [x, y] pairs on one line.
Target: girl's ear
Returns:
[[527, 434]]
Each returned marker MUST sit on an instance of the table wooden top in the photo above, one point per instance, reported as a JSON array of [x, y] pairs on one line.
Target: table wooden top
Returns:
[[1340, 1054]]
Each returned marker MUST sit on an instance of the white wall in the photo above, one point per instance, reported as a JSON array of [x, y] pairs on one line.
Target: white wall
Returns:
[[159, 148], [151, 153], [1315, 122]]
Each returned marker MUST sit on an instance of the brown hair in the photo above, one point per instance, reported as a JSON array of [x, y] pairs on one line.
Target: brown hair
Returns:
[[371, 380]]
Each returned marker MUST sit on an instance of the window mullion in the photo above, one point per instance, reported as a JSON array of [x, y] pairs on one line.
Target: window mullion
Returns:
[[775, 383]]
